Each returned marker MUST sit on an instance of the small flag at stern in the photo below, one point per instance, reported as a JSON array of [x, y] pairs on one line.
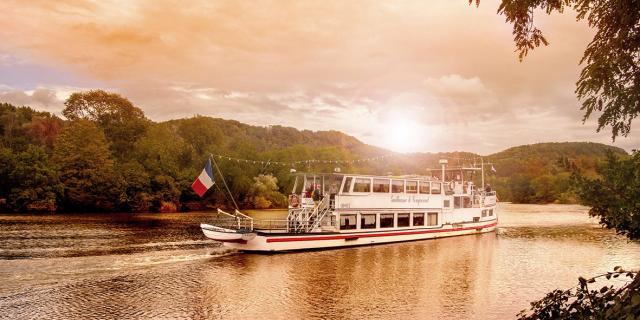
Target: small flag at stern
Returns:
[[204, 180]]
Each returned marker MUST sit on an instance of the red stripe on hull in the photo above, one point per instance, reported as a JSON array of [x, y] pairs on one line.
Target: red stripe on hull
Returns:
[[369, 235]]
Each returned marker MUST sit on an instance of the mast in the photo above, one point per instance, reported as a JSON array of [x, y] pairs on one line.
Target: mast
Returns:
[[443, 162], [223, 181], [482, 161]]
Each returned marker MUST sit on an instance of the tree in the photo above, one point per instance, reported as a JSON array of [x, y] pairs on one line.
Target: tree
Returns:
[[122, 122], [163, 152], [264, 194], [86, 169], [34, 182], [136, 186], [610, 80], [615, 196], [44, 129], [608, 302], [7, 164]]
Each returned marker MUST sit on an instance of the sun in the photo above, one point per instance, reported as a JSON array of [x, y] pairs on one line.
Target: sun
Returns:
[[404, 135]]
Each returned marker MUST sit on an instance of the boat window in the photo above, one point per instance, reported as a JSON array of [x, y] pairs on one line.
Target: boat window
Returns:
[[447, 203], [403, 219], [386, 220], [418, 219], [381, 185], [484, 213], [347, 221], [362, 185], [367, 221], [490, 212], [397, 186], [347, 185], [298, 186], [466, 202], [424, 187], [334, 184], [412, 186], [436, 187], [432, 219], [457, 203]]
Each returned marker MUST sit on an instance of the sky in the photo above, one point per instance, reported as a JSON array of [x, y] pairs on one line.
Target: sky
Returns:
[[410, 76]]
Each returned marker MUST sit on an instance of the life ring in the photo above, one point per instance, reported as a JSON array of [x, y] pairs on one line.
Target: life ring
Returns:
[[294, 201]]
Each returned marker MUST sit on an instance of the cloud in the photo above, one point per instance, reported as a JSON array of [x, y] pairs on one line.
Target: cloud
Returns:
[[357, 66], [40, 98]]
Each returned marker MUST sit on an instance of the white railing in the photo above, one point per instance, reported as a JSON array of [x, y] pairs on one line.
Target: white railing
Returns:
[[307, 219], [237, 221]]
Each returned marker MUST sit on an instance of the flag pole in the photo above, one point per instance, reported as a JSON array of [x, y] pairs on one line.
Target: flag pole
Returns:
[[223, 181]]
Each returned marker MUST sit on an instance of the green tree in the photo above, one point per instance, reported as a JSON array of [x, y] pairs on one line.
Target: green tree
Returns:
[[163, 152], [86, 169], [614, 197], [165, 193], [34, 182], [610, 80], [137, 187], [264, 194], [7, 164], [607, 302], [122, 122]]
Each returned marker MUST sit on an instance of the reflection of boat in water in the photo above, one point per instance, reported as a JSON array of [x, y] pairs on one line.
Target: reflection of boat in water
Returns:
[[339, 210]]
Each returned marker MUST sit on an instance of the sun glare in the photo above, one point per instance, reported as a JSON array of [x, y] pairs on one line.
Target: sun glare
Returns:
[[405, 136]]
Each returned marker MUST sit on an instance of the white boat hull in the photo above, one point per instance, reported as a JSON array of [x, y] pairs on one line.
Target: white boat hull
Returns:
[[225, 235], [291, 242]]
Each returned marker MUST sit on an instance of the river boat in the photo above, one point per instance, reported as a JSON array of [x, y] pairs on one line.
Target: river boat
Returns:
[[341, 210]]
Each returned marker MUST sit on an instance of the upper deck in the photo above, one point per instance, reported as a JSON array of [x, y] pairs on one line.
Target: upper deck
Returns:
[[355, 191]]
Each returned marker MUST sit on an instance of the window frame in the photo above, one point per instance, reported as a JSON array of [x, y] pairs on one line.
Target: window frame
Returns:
[[348, 181], [388, 185], [375, 221], [428, 220], [439, 190], [413, 221], [423, 183], [393, 185], [393, 220], [467, 202], [355, 182], [406, 186], [398, 219], [355, 225]]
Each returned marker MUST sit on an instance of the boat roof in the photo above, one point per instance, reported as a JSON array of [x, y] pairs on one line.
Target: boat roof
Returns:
[[407, 176]]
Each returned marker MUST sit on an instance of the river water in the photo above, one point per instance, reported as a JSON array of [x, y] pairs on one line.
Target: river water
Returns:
[[143, 266]]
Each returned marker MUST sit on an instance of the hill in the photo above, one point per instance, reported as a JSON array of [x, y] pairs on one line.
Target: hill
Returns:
[[539, 173], [153, 168]]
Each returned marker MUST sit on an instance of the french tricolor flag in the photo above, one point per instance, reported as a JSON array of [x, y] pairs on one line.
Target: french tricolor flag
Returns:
[[204, 180]]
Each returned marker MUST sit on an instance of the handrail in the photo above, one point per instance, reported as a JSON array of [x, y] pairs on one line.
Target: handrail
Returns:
[[239, 217], [305, 219]]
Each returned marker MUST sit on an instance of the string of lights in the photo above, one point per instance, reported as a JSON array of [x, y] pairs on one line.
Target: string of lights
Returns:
[[298, 162], [475, 161]]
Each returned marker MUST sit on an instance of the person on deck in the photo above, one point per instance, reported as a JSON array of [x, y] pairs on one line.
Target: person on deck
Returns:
[[488, 188], [316, 194]]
